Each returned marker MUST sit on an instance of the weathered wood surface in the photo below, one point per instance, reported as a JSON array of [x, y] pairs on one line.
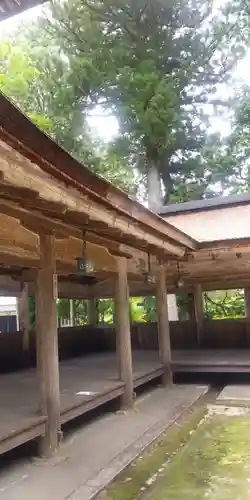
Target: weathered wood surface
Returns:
[[47, 344], [91, 381], [209, 360], [163, 325], [124, 349], [85, 384]]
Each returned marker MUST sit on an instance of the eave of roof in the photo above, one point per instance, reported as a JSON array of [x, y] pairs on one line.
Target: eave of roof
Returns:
[[23, 136], [204, 205], [9, 8]]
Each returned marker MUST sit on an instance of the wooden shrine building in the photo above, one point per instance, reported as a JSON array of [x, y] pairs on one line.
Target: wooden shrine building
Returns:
[[65, 232]]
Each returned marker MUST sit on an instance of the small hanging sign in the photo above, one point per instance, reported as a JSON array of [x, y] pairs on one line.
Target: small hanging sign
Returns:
[[55, 287]]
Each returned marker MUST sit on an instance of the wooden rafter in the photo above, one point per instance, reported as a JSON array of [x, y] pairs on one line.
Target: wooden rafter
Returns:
[[24, 143]]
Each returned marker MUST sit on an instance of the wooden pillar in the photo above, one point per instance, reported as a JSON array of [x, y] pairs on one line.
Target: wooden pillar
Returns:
[[163, 325], [92, 305], [24, 319], [199, 312], [247, 313], [123, 336], [47, 344], [130, 313], [72, 317], [247, 302]]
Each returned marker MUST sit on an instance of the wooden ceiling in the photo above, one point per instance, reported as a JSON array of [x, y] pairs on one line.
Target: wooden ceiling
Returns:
[[48, 190]]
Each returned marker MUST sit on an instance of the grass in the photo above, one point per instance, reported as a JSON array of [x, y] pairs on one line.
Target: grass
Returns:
[[137, 477]]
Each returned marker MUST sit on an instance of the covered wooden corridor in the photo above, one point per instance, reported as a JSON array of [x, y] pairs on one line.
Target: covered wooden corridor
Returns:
[[64, 232], [85, 383], [91, 381]]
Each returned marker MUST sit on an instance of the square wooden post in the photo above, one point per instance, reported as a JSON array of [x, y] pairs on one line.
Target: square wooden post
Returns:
[[24, 320], [72, 315], [163, 325], [47, 344], [199, 312], [123, 336]]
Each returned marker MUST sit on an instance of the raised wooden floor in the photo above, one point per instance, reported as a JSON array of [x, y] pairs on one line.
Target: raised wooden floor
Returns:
[[211, 361], [85, 383], [90, 381]]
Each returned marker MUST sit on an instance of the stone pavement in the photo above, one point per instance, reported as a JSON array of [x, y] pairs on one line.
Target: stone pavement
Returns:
[[94, 454], [235, 393]]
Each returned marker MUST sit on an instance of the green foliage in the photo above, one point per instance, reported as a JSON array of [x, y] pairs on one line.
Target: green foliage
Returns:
[[233, 154], [155, 68], [45, 86], [224, 304], [106, 311], [81, 312], [63, 308], [114, 169], [145, 309], [18, 76]]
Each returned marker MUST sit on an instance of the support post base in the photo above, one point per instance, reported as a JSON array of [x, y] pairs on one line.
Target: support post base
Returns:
[[127, 402], [167, 377]]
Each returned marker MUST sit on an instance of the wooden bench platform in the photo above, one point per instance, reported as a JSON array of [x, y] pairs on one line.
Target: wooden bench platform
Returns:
[[85, 383], [91, 381], [211, 361]]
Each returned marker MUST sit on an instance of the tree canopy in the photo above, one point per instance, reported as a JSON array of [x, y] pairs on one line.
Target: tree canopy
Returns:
[[158, 69]]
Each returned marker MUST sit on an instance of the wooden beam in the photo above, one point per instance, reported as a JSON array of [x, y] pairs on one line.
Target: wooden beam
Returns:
[[199, 312], [247, 310], [72, 312], [123, 332], [38, 223], [58, 167], [163, 325], [24, 320], [93, 208], [47, 344]]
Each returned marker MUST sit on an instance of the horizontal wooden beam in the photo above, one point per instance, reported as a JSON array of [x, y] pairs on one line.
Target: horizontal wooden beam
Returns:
[[124, 227], [28, 141], [38, 223]]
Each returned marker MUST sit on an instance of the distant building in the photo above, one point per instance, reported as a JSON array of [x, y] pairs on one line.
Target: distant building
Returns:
[[8, 314]]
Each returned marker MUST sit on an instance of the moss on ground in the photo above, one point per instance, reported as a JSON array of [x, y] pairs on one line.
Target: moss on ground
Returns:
[[136, 478]]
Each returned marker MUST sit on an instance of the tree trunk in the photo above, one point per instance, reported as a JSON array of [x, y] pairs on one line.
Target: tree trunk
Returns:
[[154, 189]]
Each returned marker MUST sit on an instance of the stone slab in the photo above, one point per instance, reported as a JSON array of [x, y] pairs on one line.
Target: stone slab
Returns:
[[235, 393]]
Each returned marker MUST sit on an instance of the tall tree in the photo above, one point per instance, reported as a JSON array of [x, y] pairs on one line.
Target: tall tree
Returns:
[[233, 154], [43, 83], [155, 67]]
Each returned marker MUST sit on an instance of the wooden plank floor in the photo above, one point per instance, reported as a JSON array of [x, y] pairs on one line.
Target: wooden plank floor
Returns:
[[212, 360], [85, 383], [90, 381]]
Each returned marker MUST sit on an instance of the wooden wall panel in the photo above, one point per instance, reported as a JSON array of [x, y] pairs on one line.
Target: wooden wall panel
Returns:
[[84, 340]]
